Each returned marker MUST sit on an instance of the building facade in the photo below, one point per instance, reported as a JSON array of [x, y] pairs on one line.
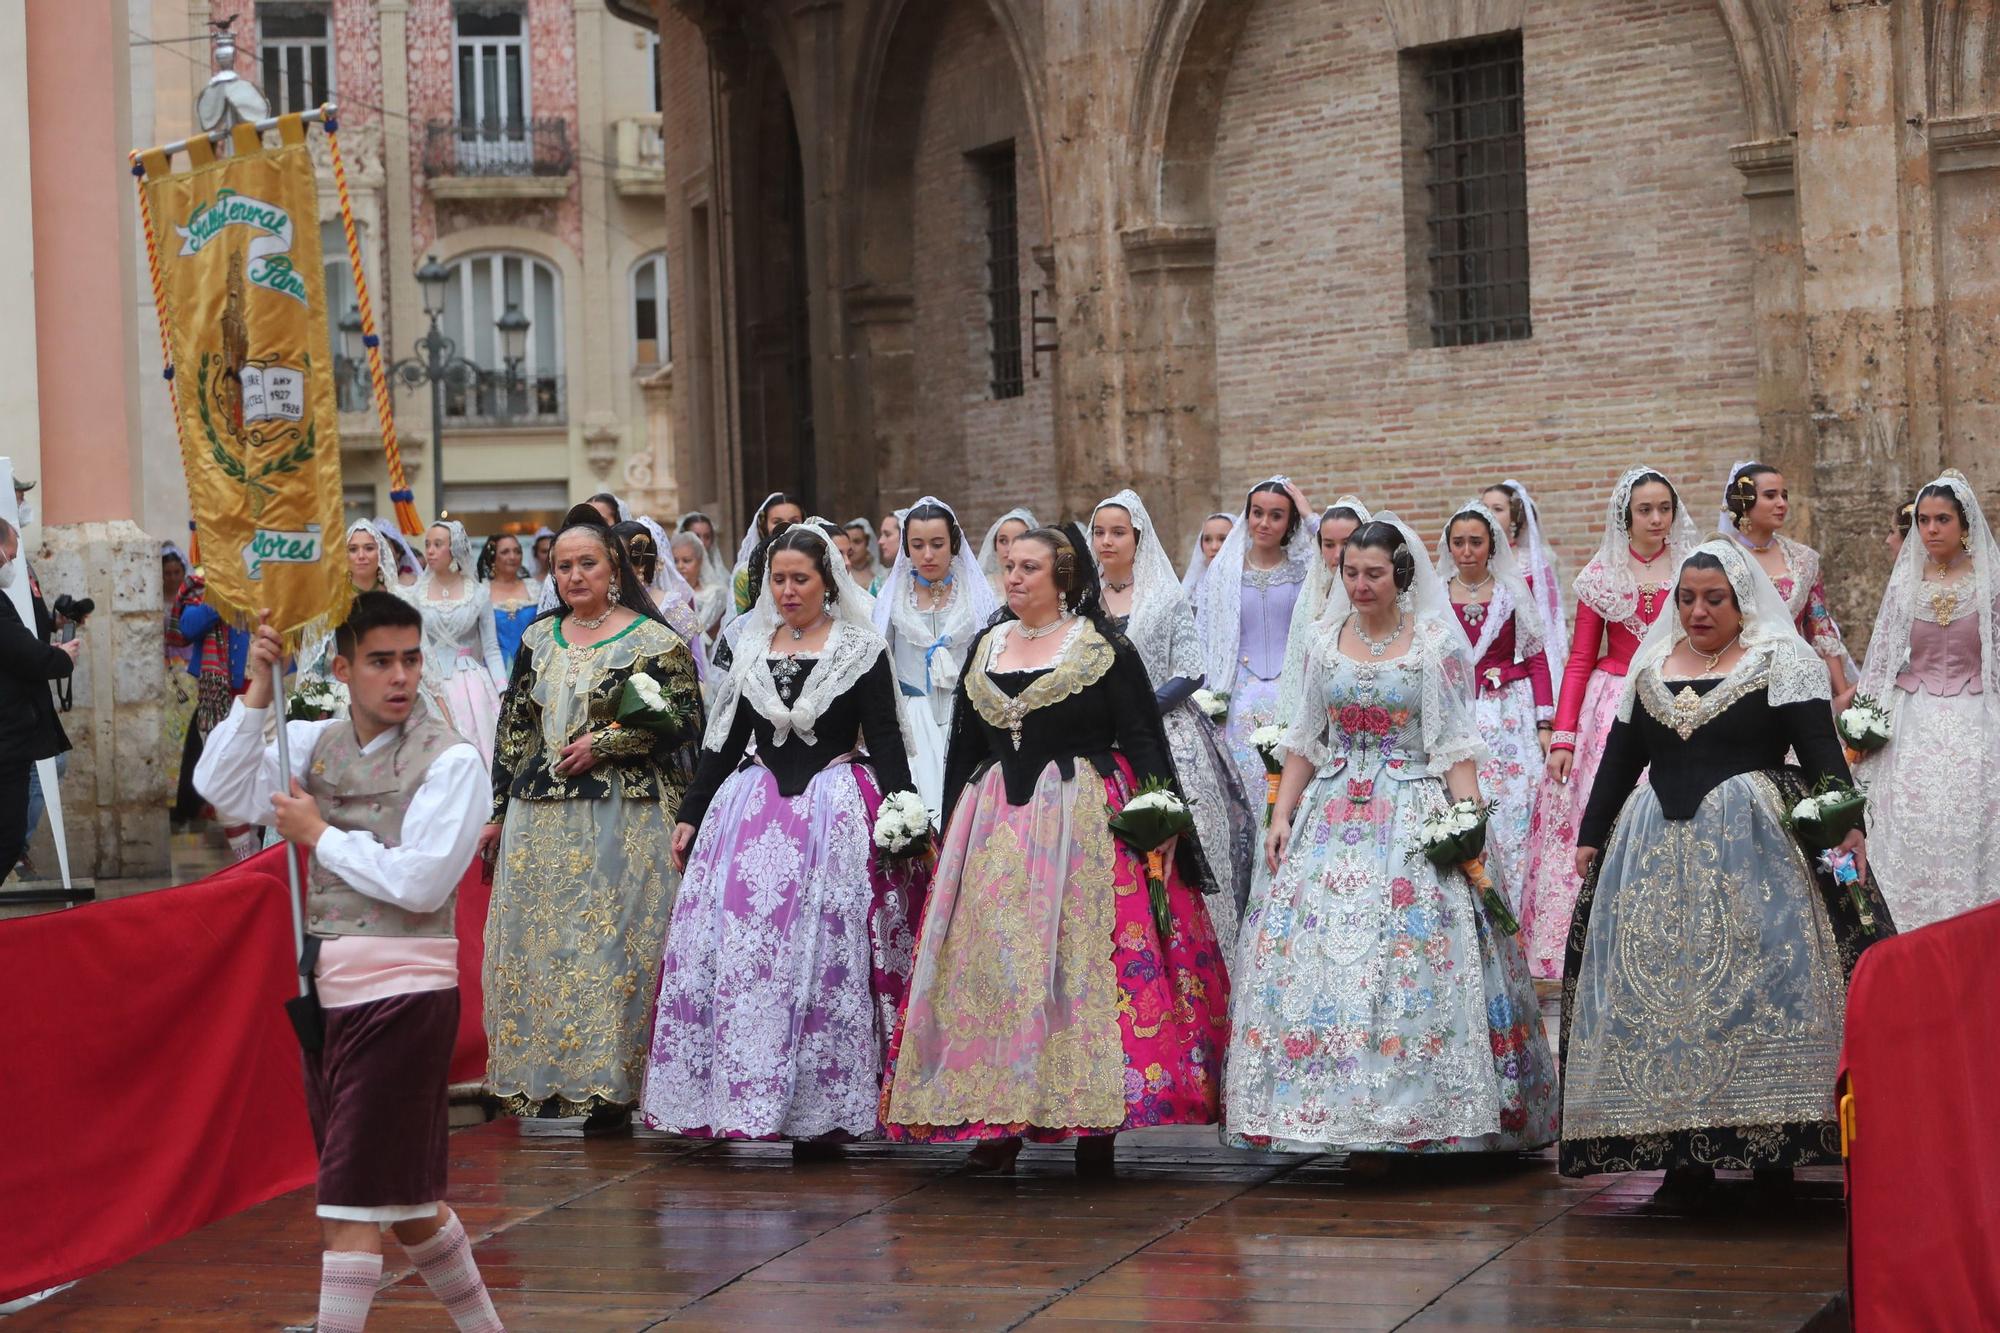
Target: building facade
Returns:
[[518, 142], [1027, 251]]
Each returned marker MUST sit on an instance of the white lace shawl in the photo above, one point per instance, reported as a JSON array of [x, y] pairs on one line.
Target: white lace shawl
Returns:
[[1538, 562], [1511, 598], [851, 647], [1771, 642], [1160, 626], [1889, 648], [1219, 608], [465, 621], [1449, 724], [972, 604], [1308, 610], [1606, 584], [1197, 563]]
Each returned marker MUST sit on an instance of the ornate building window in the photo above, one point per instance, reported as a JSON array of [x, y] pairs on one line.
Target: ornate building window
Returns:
[[650, 344], [994, 170], [479, 292], [295, 49], [1464, 142]]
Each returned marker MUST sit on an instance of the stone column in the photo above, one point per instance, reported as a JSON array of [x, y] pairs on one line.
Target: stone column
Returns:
[[87, 287], [1868, 249]]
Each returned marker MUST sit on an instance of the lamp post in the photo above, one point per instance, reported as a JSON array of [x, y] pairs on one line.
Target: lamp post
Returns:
[[437, 362]]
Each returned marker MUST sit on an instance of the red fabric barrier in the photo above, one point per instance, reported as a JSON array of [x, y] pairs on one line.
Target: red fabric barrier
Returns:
[[1923, 1165], [468, 1054], [149, 1079]]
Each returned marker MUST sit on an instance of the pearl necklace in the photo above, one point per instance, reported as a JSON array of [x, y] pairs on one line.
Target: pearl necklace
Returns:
[[580, 623], [1473, 589], [1377, 649], [1025, 631]]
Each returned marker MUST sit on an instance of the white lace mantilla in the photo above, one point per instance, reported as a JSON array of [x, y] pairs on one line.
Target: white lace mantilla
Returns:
[[846, 656]]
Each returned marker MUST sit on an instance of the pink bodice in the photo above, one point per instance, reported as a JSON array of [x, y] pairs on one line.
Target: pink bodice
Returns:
[[1944, 659]]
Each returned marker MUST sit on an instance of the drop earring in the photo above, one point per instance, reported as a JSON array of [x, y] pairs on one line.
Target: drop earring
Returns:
[[1062, 605], [615, 595]]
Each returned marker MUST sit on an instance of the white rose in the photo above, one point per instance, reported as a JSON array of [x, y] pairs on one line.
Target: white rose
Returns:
[[649, 692], [1807, 810]]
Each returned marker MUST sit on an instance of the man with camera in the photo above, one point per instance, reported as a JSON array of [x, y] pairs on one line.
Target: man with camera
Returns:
[[29, 728]]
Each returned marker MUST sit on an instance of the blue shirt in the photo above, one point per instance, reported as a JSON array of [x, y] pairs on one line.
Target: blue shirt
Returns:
[[198, 620]]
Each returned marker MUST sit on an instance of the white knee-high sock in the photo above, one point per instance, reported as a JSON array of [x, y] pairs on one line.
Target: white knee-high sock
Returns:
[[347, 1282], [452, 1274]]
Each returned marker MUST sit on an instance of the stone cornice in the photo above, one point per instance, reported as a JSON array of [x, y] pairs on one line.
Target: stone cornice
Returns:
[[1965, 143], [1766, 165], [1167, 247]]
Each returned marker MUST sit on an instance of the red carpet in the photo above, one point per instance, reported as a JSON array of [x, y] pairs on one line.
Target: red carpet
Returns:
[[151, 1079], [1923, 1166]]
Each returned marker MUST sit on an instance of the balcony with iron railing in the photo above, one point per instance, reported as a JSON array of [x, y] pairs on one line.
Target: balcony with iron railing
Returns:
[[497, 398], [530, 159]]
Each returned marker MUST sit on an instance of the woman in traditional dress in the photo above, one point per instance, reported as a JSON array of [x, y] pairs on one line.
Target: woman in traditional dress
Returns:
[[993, 550], [545, 540], [609, 508], [180, 652], [1496, 606], [777, 510], [1707, 963], [400, 563], [1245, 613], [935, 601], [1756, 503], [864, 566], [513, 594], [711, 599], [1143, 601], [462, 668], [792, 938], [1377, 1006], [1208, 539], [583, 826], [366, 572], [1044, 1002], [1934, 664], [1514, 509], [888, 543], [1625, 588]]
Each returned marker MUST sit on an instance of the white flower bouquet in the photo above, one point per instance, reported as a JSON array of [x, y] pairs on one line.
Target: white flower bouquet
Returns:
[[1456, 836], [315, 699], [1265, 740], [1864, 725], [1825, 817], [644, 704], [1215, 705], [902, 825], [1154, 817]]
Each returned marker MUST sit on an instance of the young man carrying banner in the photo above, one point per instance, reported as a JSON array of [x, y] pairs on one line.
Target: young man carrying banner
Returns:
[[391, 806]]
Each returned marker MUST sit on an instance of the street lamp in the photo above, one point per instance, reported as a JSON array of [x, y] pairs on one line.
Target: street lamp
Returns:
[[513, 326], [437, 362]]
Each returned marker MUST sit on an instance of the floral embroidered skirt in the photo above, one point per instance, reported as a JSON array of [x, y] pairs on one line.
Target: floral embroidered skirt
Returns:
[[581, 896], [1549, 896], [1705, 988], [1043, 1002], [788, 956], [1511, 779], [1375, 1006], [1934, 807]]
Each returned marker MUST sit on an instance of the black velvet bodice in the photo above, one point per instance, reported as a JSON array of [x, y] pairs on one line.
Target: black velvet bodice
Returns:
[[866, 712], [1115, 713], [1746, 735]]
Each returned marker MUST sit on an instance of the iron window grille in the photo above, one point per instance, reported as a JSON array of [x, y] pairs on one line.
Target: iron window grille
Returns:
[[1477, 188], [994, 169]]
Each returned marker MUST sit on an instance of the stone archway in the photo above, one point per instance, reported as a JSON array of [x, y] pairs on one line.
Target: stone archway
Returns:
[[934, 82]]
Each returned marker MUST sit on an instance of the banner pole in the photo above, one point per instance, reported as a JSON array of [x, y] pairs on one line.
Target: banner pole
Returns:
[[285, 785]]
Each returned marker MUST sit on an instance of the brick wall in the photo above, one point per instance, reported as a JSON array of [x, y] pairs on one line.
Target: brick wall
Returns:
[[982, 455], [1640, 263]]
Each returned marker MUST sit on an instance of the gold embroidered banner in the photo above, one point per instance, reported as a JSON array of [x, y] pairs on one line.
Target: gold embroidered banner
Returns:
[[234, 244]]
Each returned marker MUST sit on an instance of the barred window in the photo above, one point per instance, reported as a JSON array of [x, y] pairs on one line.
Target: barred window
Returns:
[[1475, 191], [994, 170], [295, 49]]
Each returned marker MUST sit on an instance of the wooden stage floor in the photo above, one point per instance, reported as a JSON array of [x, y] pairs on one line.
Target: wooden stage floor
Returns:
[[634, 1233]]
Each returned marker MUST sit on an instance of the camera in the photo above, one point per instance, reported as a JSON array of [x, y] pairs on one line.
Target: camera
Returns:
[[74, 611]]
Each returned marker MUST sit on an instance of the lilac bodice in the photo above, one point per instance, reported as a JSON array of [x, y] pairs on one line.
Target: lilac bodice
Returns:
[[1266, 618], [1944, 659]]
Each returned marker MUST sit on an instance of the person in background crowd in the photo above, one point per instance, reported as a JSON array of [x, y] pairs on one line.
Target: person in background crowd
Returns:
[[220, 652], [545, 537], [993, 549], [778, 510], [888, 543], [512, 593], [29, 728], [610, 506], [388, 801], [179, 656], [1208, 540], [863, 562], [711, 598], [462, 665]]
